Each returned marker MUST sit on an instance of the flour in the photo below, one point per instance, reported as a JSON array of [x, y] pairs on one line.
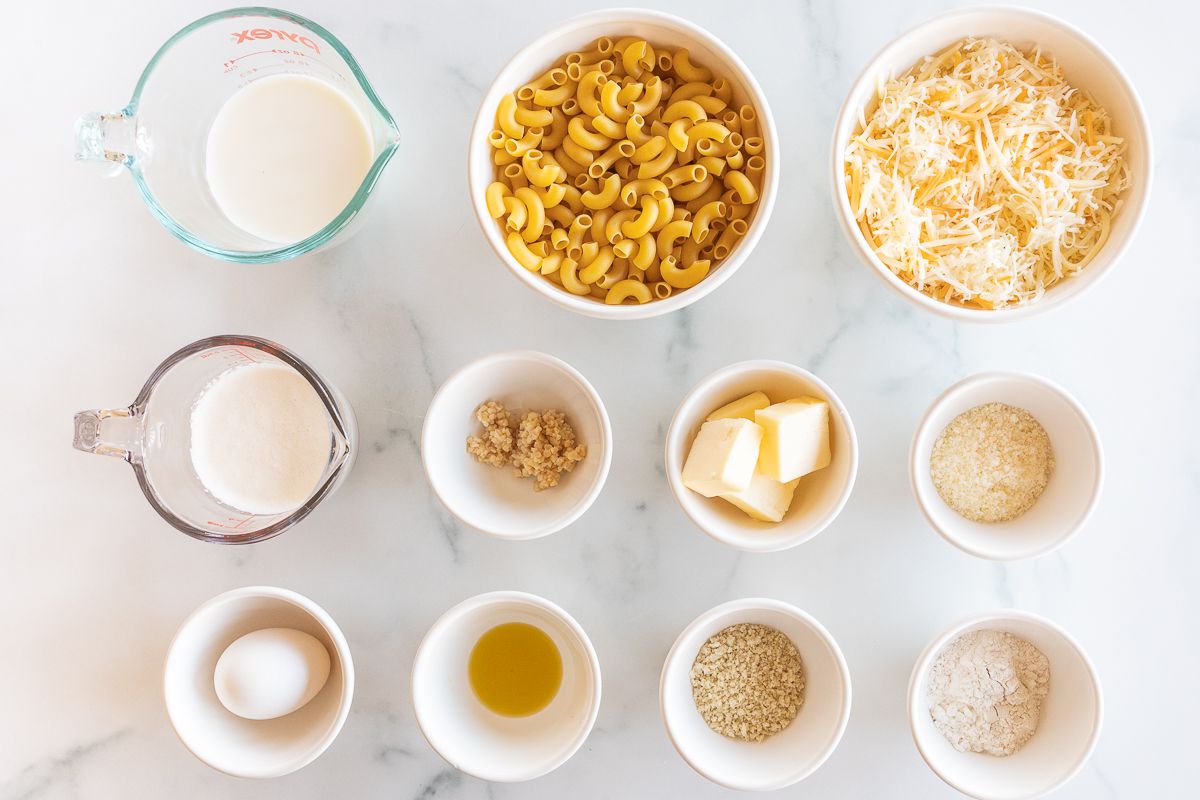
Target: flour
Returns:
[[986, 691]]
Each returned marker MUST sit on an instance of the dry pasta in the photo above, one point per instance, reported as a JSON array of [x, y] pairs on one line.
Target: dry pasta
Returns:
[[626, 172]]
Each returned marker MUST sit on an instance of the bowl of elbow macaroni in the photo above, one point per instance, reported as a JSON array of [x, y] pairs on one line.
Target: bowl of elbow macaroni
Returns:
[[624, 164]]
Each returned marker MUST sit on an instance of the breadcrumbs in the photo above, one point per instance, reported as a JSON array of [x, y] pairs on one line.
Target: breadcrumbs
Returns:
[[992, 463], [748, 682], [542, 446]]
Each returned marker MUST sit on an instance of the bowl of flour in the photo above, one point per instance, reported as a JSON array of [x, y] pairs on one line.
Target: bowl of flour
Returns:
[[1005, 705]]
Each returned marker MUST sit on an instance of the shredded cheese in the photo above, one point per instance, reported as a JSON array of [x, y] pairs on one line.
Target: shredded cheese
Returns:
[[982, 178]]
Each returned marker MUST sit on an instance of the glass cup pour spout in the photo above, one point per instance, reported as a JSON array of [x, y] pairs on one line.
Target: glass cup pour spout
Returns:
[[160, 136], [153, 435]]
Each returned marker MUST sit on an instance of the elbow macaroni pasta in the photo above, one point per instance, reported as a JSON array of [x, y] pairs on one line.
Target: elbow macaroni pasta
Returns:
[[626, 172]]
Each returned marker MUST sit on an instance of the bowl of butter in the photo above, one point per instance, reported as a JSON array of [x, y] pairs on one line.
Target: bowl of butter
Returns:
[[761, 455]]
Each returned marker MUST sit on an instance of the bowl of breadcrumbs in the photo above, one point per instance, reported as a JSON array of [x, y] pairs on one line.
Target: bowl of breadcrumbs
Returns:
[[1006, 465], [755, 694], [516, 445]]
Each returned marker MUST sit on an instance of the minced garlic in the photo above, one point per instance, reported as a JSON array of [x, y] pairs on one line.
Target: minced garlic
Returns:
[[541, 447]]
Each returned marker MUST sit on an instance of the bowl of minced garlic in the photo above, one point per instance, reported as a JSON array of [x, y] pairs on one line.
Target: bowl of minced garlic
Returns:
[[540, 444], [1006, 465], [755, 694], [1004, 704], [516, 445], [991, 163]]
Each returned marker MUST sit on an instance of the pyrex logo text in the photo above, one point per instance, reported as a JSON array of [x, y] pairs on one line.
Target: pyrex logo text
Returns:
[[263, 33]]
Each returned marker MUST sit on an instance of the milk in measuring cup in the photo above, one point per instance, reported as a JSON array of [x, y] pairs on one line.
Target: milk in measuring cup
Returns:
[[260, 438], [285, 155]]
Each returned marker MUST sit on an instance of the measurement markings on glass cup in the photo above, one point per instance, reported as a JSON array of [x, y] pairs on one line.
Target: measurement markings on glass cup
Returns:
[[295, 57], [291, 58], [231, 355], [240, 521]]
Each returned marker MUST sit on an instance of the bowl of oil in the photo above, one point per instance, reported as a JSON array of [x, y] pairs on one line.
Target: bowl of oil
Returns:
[[506, 686]]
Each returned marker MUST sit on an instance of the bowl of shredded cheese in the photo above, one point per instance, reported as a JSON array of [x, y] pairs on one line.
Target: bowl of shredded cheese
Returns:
[[991, 163]]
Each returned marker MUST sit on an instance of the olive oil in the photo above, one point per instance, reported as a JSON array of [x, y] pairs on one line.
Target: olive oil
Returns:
[[515, 669]]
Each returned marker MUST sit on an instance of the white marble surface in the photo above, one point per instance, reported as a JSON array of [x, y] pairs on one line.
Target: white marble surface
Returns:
[[93, 584]]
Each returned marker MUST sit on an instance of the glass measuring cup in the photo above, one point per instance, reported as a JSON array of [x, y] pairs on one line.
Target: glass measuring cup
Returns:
[[154, 435], [160, 136]]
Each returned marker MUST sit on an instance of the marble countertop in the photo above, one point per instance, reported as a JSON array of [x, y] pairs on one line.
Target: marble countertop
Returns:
[[93, 584]]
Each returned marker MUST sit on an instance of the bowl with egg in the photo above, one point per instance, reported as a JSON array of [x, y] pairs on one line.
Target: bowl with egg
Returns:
[[787, 661], [506, 686], [1035, 685], [258, 682], [991, 164], [1006, 465], [623, 164], [761, 455]]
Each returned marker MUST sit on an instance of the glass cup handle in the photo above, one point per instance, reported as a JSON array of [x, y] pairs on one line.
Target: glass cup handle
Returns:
[[116, 138], [108, 432]]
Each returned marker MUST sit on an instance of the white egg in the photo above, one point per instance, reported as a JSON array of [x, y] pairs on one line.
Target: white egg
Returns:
[[271, 672]]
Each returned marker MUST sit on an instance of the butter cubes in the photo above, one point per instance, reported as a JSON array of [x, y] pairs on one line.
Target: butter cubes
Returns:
[[752, 453], [723, 456], [795, 438], [765, 500], [743, 407]]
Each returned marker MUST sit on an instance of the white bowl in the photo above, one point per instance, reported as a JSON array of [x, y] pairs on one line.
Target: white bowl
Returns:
[[536, 57], [242, 747], [1067, 732], [1070, 496], [790, 755], [482, 743], [493, 500], [820, 496], [1086, 65]]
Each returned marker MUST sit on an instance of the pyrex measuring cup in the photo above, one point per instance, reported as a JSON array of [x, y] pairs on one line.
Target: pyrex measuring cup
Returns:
[[161, 135], [154, 435]]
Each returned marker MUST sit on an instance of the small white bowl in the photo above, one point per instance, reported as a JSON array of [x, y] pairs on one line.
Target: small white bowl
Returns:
[[790, 755], [539, 55], [1085, 63], [1072, 715], [242, 747], [819, 498], [493, 500], [478, 741], [1070, 496]]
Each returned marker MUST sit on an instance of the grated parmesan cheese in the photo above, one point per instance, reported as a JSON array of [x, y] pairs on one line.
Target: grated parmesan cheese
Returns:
[[982, 178]]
